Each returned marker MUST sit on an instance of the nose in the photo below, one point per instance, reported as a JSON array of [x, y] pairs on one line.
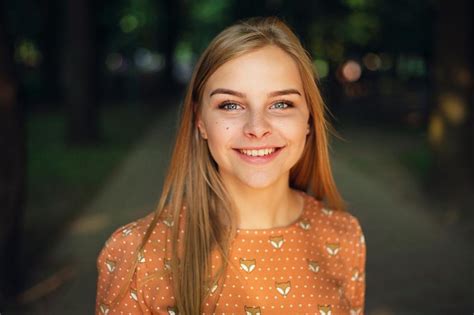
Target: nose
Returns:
[[257, 125]]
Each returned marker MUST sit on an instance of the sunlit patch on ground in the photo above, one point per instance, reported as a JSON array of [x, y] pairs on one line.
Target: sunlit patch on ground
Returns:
[[48, 285], [90, 223]]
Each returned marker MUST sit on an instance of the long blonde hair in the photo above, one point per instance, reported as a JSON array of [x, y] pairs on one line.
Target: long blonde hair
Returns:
[[193, 181]]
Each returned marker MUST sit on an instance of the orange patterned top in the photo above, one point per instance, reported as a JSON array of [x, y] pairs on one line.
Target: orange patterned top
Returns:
[[314, 266]]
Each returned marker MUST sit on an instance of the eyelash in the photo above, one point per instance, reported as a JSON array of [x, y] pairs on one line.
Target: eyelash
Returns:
[[226, 103]]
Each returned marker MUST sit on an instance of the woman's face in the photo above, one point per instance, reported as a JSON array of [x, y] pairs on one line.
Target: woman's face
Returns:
[[255, 118]]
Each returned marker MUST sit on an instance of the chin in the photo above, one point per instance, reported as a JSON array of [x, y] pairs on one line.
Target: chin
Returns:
[[257, 181]]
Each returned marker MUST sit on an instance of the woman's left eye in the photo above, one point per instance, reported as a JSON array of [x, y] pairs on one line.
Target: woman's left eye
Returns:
[[282, 105]]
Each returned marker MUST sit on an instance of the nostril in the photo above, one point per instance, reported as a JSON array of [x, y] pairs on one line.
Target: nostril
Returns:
[[257, 131]]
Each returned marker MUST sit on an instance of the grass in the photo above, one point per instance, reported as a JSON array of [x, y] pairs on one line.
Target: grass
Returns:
[[62, 178]]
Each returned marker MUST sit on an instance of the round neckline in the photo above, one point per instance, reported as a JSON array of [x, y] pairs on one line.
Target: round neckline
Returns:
[[272, 230]]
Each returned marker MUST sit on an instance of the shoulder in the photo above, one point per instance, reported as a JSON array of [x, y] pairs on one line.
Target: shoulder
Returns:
[[122, 264], [334, 223], [119, 254], [123, 244], [125, 240]]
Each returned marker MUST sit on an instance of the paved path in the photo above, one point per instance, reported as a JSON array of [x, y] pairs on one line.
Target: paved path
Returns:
[[416, 265], [130, 193]]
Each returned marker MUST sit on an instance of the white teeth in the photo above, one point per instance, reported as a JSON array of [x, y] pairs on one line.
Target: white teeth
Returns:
[[261, 152]]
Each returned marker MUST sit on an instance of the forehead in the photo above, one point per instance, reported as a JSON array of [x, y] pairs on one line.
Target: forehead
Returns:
[[262, 70]]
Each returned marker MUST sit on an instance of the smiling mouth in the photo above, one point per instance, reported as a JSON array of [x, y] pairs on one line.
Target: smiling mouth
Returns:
[[259, 152]]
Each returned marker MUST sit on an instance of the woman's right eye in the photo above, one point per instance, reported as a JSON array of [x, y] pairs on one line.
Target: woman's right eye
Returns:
[[229, 106]]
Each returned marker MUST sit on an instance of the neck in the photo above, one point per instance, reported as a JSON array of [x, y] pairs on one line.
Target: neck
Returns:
[[262, 208]]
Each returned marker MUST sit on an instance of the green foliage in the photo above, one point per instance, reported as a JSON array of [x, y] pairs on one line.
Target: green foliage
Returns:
[[325, 41], [347, 26], [209, 11], [205, 19], [27, 53], [360, 28], [144, 11], [52, 162], [132, 24], [129, 23], [184, 53], [322, 68], [359, 4], [61, 178]]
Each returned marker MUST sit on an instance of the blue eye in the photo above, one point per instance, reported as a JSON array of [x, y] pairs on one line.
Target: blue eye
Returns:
[[282, 105], [229, 106]]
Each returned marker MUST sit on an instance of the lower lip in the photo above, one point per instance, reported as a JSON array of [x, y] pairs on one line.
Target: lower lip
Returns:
[[259, 159]]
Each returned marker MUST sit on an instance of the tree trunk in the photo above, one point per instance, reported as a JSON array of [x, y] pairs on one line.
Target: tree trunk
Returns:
[[80, 71], [12, 171], [50, 66], [172, 9]]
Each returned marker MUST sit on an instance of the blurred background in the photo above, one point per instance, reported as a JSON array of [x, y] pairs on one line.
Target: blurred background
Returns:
[[89, 99]]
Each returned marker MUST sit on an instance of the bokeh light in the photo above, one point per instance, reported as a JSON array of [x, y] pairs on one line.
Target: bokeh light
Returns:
[[128, 23], [351, 71], [411, 66], [436, 129], [183, 62], [148, 61], [114, 62], [454, 108], [27, 53], [372, 61], [322, 68]]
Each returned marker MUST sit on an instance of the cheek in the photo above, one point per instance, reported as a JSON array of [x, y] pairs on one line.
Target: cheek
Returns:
[[220, 127], [219, 136], [292, 129], [219, 131]]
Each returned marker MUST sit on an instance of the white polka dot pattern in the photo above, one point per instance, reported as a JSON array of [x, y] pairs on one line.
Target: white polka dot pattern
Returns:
[[314, 266]]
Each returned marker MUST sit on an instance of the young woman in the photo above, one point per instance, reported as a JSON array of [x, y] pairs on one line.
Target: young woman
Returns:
[[236, 230]]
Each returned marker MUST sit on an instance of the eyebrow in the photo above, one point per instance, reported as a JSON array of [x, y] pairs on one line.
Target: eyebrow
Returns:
[[242, 95]]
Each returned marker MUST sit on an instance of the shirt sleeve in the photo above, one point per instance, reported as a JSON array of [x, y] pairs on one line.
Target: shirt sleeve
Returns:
[[117, 290]]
